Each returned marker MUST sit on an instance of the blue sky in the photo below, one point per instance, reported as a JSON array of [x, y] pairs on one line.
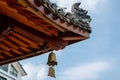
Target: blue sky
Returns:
[[96, 58]]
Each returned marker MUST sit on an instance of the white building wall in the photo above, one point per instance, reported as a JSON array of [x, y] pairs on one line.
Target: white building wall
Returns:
[[19, 73], [8, 76]]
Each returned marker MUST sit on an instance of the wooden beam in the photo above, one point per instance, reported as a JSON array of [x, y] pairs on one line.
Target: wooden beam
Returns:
[[26, 5], [52, 30], [5, 9], [1, 56], [23, 56], [16, 51], [10, 44], [59, 22], [30, 42], [42, 15], [3, 46], [53, 42], [28, 35], [68, 38], [42, 24], [33, 47], [7, 53], [33, 18], [37, 20], [17, 41], [25, 49]]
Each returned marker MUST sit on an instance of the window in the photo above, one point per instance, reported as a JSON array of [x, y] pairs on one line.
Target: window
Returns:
[[13, 71], [4, 67], [2, 78]]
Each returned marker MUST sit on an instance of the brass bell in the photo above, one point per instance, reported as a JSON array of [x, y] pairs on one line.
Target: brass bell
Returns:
[[52, 59], [51, 62], [51, 72]]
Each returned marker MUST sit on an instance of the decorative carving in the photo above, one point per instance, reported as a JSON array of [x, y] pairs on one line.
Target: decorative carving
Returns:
[[77, 16], [80, 16], [61, 12], [78, 11], [53, 7]]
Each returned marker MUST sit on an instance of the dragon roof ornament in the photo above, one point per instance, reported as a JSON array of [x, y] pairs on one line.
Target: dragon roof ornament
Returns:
[[77, 16]]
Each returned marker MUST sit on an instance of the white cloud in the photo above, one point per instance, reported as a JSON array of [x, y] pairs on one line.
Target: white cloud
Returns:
[[66, 3], [58, 53], [91, 5], [85, 71], [35, 72]]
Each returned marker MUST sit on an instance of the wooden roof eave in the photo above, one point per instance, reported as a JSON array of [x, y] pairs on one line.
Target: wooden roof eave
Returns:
[[21, 57], [57, 23], [63, 24], [35, 38], [19, 44], [11, 12]]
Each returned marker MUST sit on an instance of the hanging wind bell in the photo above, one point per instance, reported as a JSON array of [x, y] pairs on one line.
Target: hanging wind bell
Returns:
[[51, 63], [51, 72]]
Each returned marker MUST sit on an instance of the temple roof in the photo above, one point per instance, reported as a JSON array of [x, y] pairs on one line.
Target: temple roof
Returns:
[[32, 27]]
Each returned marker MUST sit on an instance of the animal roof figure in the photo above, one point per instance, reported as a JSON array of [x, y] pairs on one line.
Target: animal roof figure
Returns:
[[75, 7], [77, 10]]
